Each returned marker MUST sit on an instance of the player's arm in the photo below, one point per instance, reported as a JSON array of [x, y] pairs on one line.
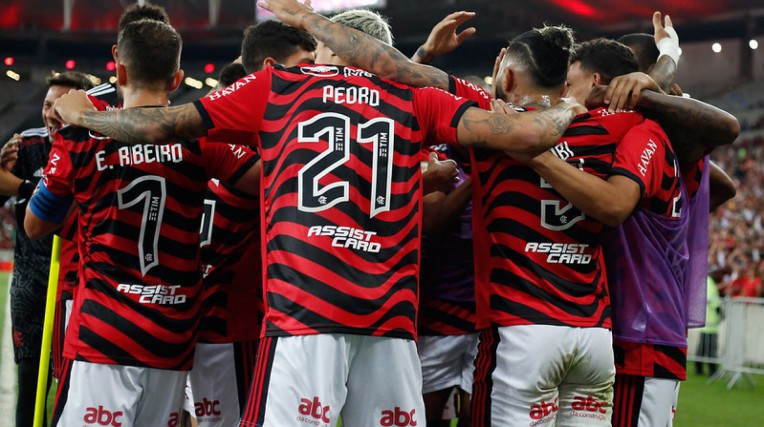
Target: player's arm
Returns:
[[46, 212], [357, 48], [721, 187], [443, 37], [608, 201], [439, 212], [667, 41], [693, 127], [11, 185], [440, 175], [530, 132], [250, 181], [133, 125]]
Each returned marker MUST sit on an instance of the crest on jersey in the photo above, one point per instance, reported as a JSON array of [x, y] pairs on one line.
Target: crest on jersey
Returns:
[[321, 70]]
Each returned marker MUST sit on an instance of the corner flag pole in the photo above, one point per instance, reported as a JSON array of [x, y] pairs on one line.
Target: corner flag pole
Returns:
[[47, 333]]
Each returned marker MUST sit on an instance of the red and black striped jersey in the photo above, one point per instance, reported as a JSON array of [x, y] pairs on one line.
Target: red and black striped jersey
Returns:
[[650, 360], [645, 155], [341, 192], [232, 303], [140, 210], [538, 259]]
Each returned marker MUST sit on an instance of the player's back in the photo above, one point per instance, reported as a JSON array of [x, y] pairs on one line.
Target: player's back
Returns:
[[538, 258], [232, 306], [341, 192], [140, 209]]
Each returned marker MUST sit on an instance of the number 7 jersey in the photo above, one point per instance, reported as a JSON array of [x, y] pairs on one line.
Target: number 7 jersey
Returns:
[[341, 192], [140, 211]]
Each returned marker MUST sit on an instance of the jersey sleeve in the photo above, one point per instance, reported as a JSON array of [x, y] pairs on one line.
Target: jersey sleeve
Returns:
[[642, 155], [227, 162], [465, 89], [234, 114], [439, 113], [54, 194]]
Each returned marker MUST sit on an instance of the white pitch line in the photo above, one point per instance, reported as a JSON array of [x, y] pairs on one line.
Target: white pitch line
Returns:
[[8, 381]]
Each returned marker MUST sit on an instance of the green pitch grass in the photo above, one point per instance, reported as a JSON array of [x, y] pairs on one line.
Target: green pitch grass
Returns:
[[712, 405]]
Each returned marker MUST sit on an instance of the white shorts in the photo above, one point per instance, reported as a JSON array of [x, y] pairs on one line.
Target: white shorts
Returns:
[[447, 361], [112, 395], [216, 388], [542, 375], [308, 381], [644, 401]]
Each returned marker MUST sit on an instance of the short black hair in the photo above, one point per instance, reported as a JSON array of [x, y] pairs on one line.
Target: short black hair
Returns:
[[545, 53], [272, 39], [644, 48], [151, 52], [137, 12], [607, 57], [231, 73], [70, 79]]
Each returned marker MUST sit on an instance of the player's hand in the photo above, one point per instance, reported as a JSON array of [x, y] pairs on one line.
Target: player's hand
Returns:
[[290, 12], [443, 37], [441, 175], [499, 106], [572, 106], [496, 66], [72, 105], [659, 30], [10, 153], [623, 91], [675, 90], [666, 37]]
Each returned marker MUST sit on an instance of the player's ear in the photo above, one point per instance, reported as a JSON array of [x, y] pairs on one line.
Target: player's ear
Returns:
[[176, 80], [122, 77], [114, 52], [596, 79], [269, 62], [509, 80]]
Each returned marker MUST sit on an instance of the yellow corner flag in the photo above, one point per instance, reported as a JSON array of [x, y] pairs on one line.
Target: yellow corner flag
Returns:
[[47, 333]]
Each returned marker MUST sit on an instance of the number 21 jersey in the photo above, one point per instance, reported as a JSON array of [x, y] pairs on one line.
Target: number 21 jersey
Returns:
[[341, 192]]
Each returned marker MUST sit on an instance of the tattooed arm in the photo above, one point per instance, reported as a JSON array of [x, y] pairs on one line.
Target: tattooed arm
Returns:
[[134, 125], [694, 127], [528, 133], [356, 48]]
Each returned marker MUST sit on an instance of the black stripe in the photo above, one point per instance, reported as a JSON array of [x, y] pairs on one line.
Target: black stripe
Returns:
[[586, 130], [630, 175], [206, 119], [460, 112]]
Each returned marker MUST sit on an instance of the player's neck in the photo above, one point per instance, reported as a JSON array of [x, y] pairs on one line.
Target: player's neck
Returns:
[[144, 98], [534, 100]]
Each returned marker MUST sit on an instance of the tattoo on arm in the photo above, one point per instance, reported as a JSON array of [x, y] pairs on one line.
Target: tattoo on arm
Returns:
[[370, 54], [663, 72], [147, 125]]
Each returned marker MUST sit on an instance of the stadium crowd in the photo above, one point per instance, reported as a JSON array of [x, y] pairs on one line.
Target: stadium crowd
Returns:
[[253, 258], [737, 234]]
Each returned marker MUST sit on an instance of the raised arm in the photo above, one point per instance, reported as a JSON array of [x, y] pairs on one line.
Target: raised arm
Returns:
[[357, 48], [528, 133], [667, 41], [134, 125], [443, 37]]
